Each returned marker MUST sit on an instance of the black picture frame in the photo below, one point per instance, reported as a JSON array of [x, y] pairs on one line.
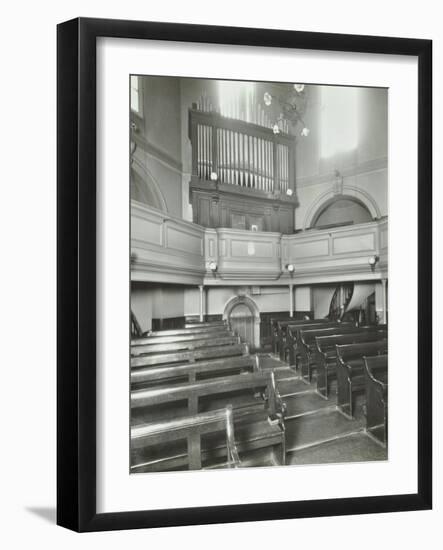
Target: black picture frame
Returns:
[[76, 265]]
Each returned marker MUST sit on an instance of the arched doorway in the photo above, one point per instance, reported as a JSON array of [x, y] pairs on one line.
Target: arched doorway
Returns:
[[243, 316]]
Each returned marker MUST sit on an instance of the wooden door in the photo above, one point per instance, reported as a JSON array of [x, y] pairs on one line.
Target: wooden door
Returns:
[[241, 321]]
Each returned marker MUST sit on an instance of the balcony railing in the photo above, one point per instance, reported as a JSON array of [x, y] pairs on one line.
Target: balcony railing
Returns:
[[240, 153], [170, 250]]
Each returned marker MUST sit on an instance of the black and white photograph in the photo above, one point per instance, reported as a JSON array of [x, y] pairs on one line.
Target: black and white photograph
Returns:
[[259, 273]]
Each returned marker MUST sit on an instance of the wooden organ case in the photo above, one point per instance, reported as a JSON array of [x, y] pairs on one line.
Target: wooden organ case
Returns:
[[243, 174]]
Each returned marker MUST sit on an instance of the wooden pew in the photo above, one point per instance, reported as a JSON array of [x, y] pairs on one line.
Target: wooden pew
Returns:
[[171, 347], [194, 335], [208, 324], [258, 421], [183, 331], [289, 336], [189, 355], [325, 354], [376, 372], [274, 330], [146, 436], [350, 371], [283, 331], [305, 342], [191, 372]]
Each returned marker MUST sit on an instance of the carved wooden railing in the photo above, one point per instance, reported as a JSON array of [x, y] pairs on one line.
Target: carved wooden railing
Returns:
[[240, 153]]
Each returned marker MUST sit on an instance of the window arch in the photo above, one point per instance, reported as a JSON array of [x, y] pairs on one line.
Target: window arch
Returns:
[[341, 210]]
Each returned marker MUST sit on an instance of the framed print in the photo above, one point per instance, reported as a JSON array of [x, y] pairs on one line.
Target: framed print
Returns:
[[244, 274]]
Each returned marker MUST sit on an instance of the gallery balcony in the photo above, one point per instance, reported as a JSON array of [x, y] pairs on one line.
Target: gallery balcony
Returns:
[[170, 250]]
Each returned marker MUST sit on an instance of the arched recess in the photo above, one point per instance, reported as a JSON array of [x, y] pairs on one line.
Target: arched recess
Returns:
[[242, 302], [352, 193], [341, 209], [144, 187]]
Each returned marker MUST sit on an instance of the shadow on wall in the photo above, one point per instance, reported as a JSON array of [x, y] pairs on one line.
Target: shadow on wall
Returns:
[[46, 513], [147, 191]]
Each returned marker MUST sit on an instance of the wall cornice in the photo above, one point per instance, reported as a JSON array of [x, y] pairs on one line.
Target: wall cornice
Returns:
[[328, 177]]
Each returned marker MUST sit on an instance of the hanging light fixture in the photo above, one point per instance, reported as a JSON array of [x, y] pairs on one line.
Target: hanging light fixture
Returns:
[[291, 106]]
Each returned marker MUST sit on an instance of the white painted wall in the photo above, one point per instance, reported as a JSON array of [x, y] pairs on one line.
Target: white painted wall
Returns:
[[156, 302], [268, 299], [160, 128], [359, 155]]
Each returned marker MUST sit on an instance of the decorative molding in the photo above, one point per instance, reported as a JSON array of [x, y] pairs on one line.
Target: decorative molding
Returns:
[[246, 300]]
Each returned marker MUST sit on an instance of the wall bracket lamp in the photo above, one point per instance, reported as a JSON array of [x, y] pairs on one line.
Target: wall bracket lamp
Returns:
[[372, 261]]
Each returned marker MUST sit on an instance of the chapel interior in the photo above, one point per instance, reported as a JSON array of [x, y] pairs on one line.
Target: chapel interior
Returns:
[[259, 274]]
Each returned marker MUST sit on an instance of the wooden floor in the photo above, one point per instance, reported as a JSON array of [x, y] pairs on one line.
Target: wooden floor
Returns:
[[316, 433]]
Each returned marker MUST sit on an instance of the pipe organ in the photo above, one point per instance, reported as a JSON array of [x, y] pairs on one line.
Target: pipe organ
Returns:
[[243, 174]]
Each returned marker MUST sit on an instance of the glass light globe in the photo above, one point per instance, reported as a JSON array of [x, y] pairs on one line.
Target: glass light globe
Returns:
[[299, 87], [305, 132], [276, 129], [267, 98], [289, 192], [214, 176]]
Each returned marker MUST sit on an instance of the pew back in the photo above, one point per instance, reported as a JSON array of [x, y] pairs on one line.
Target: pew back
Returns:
[[190, 372], [170, 347], [324, 343], [181, 331], [192, 392], [376, 372], [189, 337], [350, 371], [349, 352], [206, 324], [189, 355], [325, 355]]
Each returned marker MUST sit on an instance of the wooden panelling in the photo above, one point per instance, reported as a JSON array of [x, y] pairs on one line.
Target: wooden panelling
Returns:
[[169, 250], [188, 241], [248, 254], [216, 204], [311, 249], [354, 243], [146, 228], [165, 249]]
